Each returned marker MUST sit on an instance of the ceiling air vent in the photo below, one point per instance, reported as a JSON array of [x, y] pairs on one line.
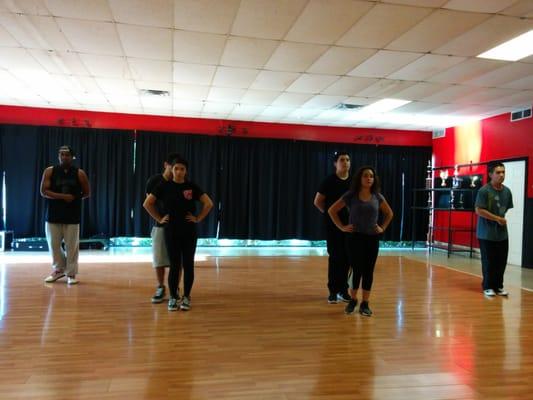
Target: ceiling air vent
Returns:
[[438, 133], [520, 114], [347, 106], [154, 92]]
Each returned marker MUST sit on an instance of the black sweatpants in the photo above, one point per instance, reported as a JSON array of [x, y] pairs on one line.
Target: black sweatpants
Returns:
[[363, 252], [493, 262], [181, 249], [338, 263]]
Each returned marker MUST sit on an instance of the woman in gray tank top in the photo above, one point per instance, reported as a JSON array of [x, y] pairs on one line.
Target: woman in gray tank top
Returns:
[[365, 203]]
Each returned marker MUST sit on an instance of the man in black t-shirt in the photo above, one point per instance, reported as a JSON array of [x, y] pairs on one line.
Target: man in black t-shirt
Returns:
[[330, 190], [160, 259]]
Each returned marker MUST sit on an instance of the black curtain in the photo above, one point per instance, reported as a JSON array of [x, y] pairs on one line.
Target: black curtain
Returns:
[[268, 186], [202, 155], [106, 156], [19, 153]]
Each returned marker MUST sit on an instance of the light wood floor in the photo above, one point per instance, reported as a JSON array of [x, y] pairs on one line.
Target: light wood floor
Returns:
[[260, 328]]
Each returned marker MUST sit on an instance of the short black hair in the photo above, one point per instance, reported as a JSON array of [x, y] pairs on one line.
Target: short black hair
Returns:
[[337, 154], [171, 157], [493, 165], [179, 160], [66, 147]]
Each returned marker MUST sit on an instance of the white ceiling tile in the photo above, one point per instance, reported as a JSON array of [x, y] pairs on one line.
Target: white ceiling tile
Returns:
[[418, 3], [486, 95], [266, 19], [414, 107], [234, 77], [383, 63], [323, 101], [33, 31], [198, 47], [362, 101], [150, 70], [127, 108], [520, 84], [275, 112], [382, 24], [259, 97], [89, 84], [466, 70], [481, 6], [303, 114], [30, 7], [294, 57], [213, 16], [247, 52], [426, 66], [70, 61], [420, 91], [49, 61], [483, 37], [325, 21], [146, 42], [117, 86], [140, 12], [182, 105], [339, 60], [6, 40], [451, 94], [9, 83], [192, 92], [91, 37], [521, 8], [193, 74], [106, 66], [503, 75], [221, 108], [116, 99], [291, 100], [17, 59], [156, 102], [384, 88], [247, 110], [311, 83], [97, 10], [348, 86], [230, 95], [274, 80], [521, 99], [436, 30]]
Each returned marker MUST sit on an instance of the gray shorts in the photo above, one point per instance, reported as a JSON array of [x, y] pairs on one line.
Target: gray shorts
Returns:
[[159, 249]]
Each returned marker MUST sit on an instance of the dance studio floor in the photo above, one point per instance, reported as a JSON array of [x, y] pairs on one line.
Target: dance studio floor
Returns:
[[260, 328]]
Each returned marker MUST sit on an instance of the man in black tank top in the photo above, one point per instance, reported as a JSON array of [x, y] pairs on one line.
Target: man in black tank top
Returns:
[[64, 186]]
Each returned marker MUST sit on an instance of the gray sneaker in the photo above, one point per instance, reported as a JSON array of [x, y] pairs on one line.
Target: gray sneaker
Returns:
[[159, 295], [173, 304], [185, 303]]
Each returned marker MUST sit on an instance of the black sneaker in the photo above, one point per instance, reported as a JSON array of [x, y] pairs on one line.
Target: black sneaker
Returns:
[[332, 299], [185, 303], [345, 297], [364, 309], [159, 295], [173, 304], [350, 307]]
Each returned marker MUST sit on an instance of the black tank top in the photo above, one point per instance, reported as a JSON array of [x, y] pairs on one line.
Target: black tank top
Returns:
[[66, 182]]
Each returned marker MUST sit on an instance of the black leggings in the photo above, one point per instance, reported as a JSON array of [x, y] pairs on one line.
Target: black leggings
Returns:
[[363, 252], [180, 251]]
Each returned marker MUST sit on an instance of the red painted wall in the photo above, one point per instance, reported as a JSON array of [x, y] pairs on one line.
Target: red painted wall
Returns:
[[495, 138], [491, 139], [104, 120]]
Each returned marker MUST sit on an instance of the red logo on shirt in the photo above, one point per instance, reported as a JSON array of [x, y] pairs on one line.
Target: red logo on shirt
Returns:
[[187, 194]]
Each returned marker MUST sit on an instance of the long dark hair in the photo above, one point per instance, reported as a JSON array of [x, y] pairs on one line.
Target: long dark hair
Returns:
[[355, 185]]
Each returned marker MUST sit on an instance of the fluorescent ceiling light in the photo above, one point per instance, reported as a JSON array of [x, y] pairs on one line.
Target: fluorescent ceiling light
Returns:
[[512, 50], [384, 105]]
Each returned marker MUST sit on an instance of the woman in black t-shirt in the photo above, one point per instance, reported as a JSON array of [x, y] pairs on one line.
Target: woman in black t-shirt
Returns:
[[179, 197]]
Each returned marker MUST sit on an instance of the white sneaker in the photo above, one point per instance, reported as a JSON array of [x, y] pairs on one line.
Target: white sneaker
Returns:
[[489, 293], [71, 280], [54, 276], [502, 292]]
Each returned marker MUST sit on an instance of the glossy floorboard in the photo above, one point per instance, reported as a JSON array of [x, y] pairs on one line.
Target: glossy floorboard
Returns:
[[260, 328]]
